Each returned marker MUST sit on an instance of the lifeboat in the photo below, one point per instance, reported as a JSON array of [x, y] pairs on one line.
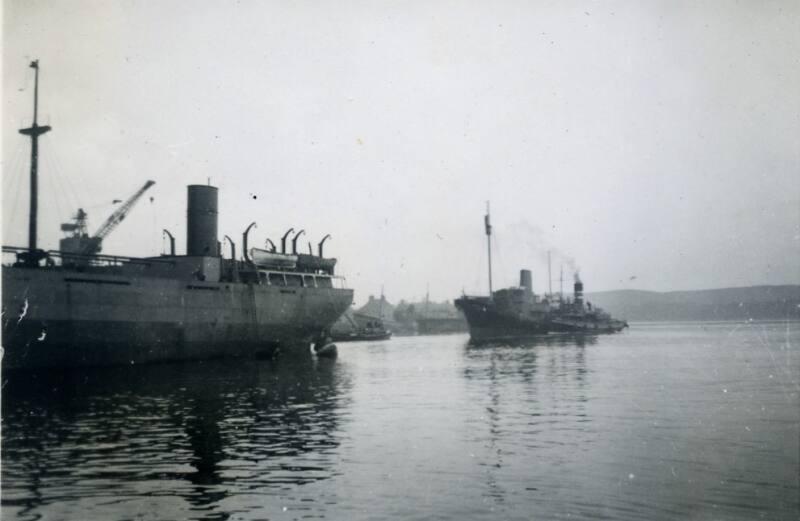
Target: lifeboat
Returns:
[[273, 260], [313, 263]]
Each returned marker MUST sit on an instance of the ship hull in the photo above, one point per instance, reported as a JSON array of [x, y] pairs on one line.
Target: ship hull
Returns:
[[486, 324], [62, 318], [587, 325]]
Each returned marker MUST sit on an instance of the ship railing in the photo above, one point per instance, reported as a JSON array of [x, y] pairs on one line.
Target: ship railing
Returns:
[[291, 278], [59, 258], [474, 297]]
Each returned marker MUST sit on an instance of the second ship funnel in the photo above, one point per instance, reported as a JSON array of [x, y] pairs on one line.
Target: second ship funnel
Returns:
[[525, 280]]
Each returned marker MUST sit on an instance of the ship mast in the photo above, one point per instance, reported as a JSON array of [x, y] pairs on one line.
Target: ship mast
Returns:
[[549, 275], [34, 131], [427, 298], [380, 309], [489, 245]]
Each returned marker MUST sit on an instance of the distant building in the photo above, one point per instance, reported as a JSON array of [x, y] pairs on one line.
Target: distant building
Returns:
[[378, 307]]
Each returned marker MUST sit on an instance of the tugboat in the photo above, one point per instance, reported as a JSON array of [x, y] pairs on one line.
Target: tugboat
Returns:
[[363, 327], [518, 313], [580, 317], [75, 307]]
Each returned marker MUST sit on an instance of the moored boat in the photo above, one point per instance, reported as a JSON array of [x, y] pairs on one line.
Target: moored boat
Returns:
[[79, 308], [363, 327]]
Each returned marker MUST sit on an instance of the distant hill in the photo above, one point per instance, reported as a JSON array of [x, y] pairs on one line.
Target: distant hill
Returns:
[[754, 302]]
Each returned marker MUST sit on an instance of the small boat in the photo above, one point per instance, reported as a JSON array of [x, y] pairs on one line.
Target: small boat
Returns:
[[369, 328], [579, 316]]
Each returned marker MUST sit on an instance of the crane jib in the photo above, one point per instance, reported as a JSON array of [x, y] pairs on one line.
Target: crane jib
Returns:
[[114, 219]]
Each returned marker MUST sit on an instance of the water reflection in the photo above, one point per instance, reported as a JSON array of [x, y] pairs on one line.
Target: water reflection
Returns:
[[200, 432], [657, 424], [530, 389], [519, 357], [564, 339]]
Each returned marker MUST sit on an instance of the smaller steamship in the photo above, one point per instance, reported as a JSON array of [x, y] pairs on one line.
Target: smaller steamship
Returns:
[[517, 312]]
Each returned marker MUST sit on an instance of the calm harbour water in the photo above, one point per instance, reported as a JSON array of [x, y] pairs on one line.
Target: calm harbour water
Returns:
[[663, 421]]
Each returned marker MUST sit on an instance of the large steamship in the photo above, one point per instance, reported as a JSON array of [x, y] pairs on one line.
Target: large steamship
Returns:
[[76, 307]]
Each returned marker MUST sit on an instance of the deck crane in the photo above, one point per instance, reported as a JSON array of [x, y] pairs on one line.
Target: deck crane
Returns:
[[81, 243]]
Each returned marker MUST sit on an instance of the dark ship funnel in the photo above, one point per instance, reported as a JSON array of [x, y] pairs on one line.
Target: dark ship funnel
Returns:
[[201, 221], [525, 280], [578, 291]]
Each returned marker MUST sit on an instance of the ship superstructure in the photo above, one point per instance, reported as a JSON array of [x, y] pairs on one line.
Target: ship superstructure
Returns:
[[75, 307]]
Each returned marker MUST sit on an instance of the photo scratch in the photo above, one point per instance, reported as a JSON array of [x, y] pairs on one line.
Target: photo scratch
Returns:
[[23, 312]]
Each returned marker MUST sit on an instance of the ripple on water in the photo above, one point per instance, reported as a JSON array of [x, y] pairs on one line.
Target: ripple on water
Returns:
[[661, 422]]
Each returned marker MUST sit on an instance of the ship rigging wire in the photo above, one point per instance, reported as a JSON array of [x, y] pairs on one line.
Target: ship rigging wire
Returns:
[[58, 192], [16, 182], [480, 275], [51, 151], [498, 253], [50, 186]]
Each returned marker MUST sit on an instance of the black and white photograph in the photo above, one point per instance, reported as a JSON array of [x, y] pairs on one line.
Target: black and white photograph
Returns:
[[400, 260]]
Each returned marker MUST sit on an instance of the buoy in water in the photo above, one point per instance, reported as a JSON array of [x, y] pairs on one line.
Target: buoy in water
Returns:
[[328, 350]]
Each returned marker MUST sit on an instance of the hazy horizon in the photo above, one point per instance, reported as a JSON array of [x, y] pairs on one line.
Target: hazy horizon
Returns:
[[655, 146]]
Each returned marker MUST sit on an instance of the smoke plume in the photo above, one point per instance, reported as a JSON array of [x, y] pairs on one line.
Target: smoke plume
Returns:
[[537, 244]]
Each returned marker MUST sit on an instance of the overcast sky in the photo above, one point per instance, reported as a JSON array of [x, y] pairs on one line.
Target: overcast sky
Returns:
[[656, 145]]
